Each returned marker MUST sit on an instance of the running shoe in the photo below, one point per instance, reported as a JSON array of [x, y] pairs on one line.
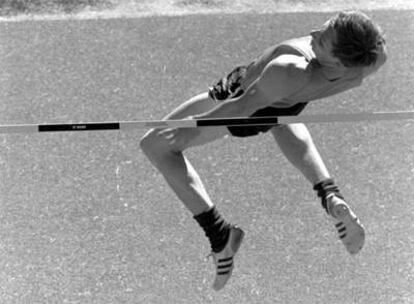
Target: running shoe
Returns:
[[350, 230], [224, 260]]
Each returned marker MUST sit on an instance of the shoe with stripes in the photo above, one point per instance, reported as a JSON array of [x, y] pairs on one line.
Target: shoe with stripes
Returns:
[[224, 260], [350, 230]]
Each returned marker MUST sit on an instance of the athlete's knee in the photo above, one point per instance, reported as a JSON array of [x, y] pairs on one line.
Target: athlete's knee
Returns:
[[149, 143], [153, 145]]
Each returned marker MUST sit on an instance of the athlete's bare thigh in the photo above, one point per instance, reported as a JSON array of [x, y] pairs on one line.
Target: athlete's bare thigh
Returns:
[[197, 105]]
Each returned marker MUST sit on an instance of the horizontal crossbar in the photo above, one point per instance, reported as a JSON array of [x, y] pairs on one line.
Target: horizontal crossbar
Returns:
[[214, 122]]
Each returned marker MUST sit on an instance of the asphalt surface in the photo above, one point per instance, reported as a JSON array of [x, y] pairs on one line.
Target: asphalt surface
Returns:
[[84, 218]]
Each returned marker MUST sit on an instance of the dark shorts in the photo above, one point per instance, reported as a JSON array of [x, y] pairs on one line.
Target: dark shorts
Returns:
[[229, 87]]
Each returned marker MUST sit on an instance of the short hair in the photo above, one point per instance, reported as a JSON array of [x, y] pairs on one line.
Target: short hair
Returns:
[[358, 39]]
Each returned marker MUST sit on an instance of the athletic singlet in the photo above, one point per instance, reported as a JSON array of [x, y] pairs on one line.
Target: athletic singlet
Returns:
[[318, 85]]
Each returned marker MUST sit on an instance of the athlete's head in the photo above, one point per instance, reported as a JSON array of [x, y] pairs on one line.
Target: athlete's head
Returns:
[[358, 39], [352, 38]]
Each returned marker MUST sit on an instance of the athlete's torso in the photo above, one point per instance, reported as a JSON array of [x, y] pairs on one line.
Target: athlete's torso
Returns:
[[318, 85]]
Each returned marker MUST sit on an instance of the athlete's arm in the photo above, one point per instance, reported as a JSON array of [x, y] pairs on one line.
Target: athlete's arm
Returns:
[[282, 77]]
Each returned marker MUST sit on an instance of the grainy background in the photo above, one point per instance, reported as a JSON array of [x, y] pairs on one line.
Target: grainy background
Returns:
[[84, 218]]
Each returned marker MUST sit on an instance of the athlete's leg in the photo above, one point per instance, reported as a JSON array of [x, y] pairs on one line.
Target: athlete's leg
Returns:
[[175, 167], [225, 239], [297, 145]]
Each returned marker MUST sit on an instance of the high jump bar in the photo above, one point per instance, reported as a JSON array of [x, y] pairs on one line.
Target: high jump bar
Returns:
[[212, 122]]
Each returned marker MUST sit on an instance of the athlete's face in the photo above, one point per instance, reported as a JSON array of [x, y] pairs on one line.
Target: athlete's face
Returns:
[[322, 43]]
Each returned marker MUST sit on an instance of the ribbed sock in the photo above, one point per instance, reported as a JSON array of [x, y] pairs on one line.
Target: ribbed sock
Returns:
[[217, 229]]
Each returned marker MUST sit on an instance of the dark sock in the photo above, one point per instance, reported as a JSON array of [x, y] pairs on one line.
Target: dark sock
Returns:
[[216, 228], [324, 188]]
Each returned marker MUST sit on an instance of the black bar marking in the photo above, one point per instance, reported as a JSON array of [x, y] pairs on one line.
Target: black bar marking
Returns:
[[79, 127], [251, 121]]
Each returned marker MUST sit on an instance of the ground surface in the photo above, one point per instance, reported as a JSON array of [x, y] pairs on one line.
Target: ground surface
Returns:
[[17, 10], [84, 218]]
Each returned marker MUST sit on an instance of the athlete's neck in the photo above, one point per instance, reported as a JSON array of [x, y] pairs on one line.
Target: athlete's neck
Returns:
[[330, 71]]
